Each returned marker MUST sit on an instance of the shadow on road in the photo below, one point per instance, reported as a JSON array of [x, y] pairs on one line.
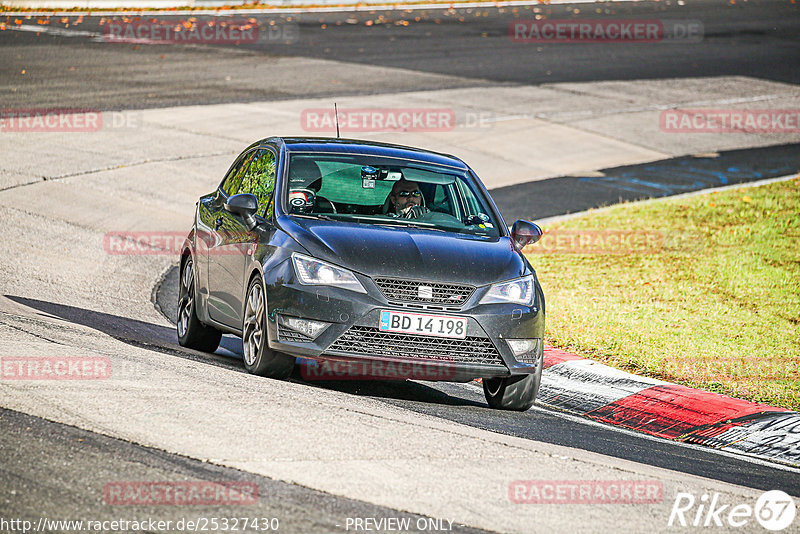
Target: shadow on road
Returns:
[[685, 174], [398, 390], [164, 339], [137, 333], [456, 403]]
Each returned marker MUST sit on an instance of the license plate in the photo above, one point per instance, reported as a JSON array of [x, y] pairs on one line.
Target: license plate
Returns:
[[423, 324]]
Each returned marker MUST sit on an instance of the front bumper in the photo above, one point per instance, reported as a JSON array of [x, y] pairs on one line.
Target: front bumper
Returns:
[[353, 334]]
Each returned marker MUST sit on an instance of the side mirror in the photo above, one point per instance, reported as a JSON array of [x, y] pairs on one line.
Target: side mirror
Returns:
[[246, 206], [525, 233]]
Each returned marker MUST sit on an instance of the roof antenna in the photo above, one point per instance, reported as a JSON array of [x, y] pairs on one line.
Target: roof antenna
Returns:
[[336, 114]]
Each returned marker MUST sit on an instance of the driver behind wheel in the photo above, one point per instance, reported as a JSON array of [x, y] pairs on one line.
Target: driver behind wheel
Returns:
[[407, 200]]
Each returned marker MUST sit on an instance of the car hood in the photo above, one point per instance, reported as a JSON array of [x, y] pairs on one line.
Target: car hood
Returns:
[[408, 252]]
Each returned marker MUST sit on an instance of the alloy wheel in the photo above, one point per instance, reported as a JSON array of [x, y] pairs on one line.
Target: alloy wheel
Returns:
[[253, 334], [186, 308]]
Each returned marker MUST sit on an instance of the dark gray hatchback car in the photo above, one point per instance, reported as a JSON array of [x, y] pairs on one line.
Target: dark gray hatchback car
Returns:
[[364, 260]]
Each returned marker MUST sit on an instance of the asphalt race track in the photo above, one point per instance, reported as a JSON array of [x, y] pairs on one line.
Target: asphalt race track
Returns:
[[321, 453], [86, 456], [755, 38], [569, 194]]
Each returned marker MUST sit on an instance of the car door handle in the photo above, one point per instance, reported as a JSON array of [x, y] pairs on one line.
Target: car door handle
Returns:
[[218, 223]]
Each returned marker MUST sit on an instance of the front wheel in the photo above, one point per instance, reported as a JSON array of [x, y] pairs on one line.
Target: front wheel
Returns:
[[511, 393], [191, 332], [259, 359]]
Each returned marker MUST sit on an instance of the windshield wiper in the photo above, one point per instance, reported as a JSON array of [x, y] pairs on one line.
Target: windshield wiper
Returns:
[[390, 224], [313, 216], [404, 223]]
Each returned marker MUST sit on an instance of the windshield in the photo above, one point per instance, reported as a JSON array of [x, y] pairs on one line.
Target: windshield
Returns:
[[386, 191]]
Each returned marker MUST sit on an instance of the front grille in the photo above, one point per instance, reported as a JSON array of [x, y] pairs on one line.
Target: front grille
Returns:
[[284, 334], [397, 290], [372, 342]]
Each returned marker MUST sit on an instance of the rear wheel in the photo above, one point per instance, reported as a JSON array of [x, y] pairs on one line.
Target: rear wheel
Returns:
[[191, 332], [511, 393], [259, 359]]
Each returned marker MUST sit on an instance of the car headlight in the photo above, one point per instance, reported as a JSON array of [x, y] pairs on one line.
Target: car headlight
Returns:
[[313, 272], [518, 291]]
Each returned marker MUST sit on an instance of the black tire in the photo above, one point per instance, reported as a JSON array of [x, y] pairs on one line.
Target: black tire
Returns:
[[191, 332], [258, 358], [516, 393]]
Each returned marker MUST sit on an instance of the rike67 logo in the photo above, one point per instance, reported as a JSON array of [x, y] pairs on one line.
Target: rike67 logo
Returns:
[[774, 510]]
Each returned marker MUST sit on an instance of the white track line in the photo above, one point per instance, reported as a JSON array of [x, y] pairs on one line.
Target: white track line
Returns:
[[52, 31], [739, 455], [558, 412]]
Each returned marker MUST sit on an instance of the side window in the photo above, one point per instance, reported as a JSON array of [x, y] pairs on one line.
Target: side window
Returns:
[[259, 180], [471, 202], [234, 178], [441, 201]]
